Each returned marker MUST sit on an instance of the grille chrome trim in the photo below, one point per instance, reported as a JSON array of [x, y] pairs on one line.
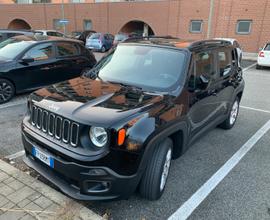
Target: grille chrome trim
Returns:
[[58, 127], [66, 127], [45, 117], [39, 118], [74, 142], [33, 117], [51, 123], [62, 129]]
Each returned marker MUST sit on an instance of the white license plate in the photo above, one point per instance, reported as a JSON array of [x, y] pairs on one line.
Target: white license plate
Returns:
[[45, 158]]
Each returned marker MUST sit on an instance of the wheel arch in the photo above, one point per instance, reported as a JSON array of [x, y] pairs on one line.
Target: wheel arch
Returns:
[[179, 135], [13, 83], [239, 95]]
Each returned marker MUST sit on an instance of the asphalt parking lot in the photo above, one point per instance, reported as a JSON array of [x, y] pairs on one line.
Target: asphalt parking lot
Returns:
[[242, 194]]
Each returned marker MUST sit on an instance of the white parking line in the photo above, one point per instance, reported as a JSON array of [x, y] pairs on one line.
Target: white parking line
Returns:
[[249, 67], [197, 198], [16, 155], [13, 104], [255, 109]]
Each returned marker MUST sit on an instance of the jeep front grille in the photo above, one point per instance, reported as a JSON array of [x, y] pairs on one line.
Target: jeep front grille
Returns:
[[55, 126]]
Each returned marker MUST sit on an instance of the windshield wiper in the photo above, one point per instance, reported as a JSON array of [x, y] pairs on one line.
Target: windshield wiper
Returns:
[[93, 74], [128, 86]]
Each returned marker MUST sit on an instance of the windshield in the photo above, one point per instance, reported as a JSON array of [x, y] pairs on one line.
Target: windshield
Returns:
[[11, 48], [147, 67], [267, 47]]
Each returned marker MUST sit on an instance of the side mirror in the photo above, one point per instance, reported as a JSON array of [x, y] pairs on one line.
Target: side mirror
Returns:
[[203, 82], [27, 60], [198, 83]]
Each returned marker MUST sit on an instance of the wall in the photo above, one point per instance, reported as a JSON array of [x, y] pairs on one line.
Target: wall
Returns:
[[164, 17]]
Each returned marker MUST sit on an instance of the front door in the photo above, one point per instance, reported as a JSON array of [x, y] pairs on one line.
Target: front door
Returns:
[[203, 97], [40, 71]]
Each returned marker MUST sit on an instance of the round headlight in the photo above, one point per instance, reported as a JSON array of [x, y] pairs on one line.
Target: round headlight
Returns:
[[98, 136]]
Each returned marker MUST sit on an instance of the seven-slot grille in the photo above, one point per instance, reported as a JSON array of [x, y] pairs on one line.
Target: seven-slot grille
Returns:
[[54, 125]]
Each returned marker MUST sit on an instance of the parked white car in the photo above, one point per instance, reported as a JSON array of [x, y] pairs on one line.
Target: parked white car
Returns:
[[264, 57], [51, 33]]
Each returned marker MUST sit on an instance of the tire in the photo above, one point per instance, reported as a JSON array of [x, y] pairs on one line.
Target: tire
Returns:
[[155, 177], [258, 67], [232, 117], [103, 49], [7, 91]]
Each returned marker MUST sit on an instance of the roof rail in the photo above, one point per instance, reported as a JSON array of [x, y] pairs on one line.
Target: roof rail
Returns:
[[209, 42]]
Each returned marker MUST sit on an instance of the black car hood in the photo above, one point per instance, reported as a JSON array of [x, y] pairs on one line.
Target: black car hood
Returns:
[[94, 102]]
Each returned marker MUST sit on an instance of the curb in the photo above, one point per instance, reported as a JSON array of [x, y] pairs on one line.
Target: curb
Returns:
[[66, 206]]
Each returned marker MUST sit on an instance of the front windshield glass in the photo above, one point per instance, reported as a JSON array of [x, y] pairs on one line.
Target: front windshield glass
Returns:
[[11, 48], [149, 67]]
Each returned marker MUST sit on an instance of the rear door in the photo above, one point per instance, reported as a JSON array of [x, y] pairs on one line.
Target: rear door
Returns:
[[70, 59]]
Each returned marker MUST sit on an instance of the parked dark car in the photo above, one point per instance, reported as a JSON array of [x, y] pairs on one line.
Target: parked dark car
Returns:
[[28, 63], [116, 129], [7, 33], [82, 35], [100, 42]]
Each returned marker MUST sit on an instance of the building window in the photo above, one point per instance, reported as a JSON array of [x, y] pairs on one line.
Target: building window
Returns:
[[243, 26], [77, 1], [196, 26], [56, 24], [41, 1], [87, 24]]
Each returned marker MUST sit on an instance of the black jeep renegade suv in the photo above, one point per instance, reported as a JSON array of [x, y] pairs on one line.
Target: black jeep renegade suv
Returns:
[[115, 129]]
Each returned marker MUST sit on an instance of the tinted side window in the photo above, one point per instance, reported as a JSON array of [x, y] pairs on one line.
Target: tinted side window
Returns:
[[202, 67], [41, 52], [267, 47], [204, 64], [67, 49], [51, 33], [57, 34], [1, 37], [224, 62]]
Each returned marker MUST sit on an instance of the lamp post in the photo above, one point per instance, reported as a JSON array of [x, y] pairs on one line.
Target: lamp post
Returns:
[[210, 18], [63, 15]]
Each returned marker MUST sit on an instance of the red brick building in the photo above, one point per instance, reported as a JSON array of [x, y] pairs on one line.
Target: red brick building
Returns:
[[246, 20]]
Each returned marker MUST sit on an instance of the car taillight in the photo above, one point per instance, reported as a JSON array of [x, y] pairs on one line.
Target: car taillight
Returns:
[[261, 54]]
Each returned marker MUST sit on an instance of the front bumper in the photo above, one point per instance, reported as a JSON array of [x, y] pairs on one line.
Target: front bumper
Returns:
[[80, 181]]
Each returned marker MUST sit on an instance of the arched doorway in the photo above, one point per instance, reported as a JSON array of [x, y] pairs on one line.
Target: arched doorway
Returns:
[[19, 24], [139, 27]]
